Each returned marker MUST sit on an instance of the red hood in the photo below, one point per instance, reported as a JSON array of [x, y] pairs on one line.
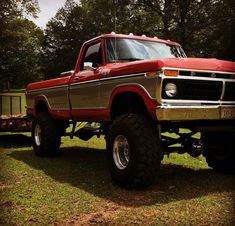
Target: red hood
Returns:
[[181, 63], [198, 64]]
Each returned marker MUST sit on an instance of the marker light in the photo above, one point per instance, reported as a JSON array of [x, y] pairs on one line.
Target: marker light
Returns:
[[171, 72]]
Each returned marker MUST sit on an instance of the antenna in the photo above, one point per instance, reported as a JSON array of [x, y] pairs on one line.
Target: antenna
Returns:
[[115, 16], [115, 27]]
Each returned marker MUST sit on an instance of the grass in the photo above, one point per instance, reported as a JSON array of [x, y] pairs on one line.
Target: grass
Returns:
[[75, 189]]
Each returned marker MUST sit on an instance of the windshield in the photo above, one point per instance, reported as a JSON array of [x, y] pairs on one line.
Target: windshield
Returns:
[[124, 49]]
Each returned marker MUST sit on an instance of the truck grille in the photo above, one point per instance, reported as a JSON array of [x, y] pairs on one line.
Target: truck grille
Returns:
[[229, 94], [207, 74], [195, 89]]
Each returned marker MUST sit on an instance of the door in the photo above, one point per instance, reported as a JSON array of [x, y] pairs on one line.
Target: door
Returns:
[[85, 84]]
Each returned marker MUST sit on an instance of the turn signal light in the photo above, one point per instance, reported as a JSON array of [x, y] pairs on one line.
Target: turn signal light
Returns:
[[171, 72]]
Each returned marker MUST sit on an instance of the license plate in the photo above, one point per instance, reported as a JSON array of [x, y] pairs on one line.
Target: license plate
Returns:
[[228, 113]]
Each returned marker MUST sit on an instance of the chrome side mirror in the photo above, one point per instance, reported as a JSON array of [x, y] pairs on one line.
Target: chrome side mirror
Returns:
[[66, 73]]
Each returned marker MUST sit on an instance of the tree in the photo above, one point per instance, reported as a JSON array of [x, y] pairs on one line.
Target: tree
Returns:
[[75, 23], [20, 42], [205, 28], [202, 27], [64, 35], [220, 37]]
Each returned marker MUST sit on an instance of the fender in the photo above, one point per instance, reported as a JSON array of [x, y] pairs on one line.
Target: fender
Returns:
[[138, 89], [57, 114]]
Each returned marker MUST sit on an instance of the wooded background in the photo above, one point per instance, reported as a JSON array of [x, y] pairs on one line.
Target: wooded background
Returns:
[[204, 28]]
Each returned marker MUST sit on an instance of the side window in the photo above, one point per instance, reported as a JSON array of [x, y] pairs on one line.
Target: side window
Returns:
[[93, 57]]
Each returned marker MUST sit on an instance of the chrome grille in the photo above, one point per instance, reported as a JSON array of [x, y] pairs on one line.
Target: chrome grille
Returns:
[[189, 89], [229, 94], [208, 74]]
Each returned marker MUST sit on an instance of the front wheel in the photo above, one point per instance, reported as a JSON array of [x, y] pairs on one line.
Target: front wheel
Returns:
[[134, 152], [220, 151], [45, 135]]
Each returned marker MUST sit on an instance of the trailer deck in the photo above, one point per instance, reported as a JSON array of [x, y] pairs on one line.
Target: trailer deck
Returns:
[[12, 119]]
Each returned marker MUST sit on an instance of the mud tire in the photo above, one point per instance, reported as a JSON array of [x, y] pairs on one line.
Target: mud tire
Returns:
[[46, 136], [144, 151]]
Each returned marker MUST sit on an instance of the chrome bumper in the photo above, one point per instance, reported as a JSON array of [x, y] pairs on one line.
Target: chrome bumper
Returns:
[[186, 113]]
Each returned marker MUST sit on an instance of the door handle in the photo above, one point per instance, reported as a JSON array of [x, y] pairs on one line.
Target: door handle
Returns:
[[76, 77]]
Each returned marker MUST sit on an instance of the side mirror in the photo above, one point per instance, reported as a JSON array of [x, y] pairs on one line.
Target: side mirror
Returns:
[[66, 73], [88, 66]]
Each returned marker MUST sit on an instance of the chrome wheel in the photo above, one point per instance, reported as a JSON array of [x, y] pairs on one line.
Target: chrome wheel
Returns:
[[37, 135], [121, 155]]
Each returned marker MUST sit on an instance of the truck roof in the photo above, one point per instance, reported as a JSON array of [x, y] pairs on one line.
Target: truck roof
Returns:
[[131, 36]]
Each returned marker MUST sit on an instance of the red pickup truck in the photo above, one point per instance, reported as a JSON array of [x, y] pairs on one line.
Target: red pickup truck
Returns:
[[134, 89]]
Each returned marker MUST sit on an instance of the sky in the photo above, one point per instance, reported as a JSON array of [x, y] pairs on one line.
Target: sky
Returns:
[[48, 9]]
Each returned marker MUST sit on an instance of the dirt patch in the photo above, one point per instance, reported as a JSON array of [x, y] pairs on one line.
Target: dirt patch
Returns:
[[104, 216], [4, 186]]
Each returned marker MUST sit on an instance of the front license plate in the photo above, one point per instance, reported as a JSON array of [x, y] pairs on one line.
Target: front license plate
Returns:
[[228, 113]]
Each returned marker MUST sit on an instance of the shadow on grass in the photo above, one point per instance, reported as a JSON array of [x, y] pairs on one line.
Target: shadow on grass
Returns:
[[87, 169], [14, 140]]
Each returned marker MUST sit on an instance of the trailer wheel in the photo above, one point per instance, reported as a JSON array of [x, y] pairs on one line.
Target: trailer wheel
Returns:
[[45, 135], [133, 151], [219, 151]]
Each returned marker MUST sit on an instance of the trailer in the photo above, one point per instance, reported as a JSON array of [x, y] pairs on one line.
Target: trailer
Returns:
[[12, 115]]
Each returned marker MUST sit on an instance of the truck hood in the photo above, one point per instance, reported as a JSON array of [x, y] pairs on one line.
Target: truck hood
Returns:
[[198, 64], [179, 63]]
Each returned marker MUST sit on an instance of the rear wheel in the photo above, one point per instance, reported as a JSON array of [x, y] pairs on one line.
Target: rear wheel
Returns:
[[220, 151], [133, 151], [45, 135]]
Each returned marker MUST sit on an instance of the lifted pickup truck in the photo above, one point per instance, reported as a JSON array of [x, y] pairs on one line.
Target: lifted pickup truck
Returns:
[[134, 89]]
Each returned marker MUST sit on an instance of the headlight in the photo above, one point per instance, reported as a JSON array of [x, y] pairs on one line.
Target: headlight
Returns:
[[171, 89]]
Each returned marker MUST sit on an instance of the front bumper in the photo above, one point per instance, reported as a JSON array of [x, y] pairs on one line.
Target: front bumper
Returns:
[[187, 113]]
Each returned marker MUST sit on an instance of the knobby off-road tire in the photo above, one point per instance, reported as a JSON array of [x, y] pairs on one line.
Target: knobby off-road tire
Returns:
[[45, 135], [134, 152], [220, 151]]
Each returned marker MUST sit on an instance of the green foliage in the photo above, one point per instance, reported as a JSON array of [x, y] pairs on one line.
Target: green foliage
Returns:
[[20, 43], [74, 24], [63, 37], [205, 28]]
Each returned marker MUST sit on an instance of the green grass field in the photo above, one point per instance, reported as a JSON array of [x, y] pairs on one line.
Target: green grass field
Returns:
[[75, 189]]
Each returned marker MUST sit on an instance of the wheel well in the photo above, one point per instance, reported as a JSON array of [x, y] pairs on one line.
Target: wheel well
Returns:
[[41, 106], [128, 102]]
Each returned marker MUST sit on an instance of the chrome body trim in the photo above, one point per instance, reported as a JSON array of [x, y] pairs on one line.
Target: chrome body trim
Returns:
[[197, 70], [56, 98], [137, 85], [198, 78], [186, 113], [91, 94], [47, 88], [223, 91], [95, 94]]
